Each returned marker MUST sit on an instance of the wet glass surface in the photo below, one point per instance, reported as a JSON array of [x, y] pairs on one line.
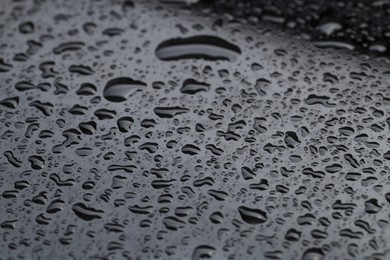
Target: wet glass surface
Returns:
[[142, 130]]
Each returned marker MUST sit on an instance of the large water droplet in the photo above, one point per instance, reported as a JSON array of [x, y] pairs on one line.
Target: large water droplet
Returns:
[[191, 86], [197, 47], [252, 216], [120, 89]]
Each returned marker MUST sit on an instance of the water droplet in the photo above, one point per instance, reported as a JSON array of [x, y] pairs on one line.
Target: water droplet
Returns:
[[120, 89], [197, 47]]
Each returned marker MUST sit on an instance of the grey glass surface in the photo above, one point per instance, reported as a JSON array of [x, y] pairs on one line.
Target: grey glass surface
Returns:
[[143, 130]]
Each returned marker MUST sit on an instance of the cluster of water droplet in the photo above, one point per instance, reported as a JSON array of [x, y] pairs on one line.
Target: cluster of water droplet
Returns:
[[137, 130]]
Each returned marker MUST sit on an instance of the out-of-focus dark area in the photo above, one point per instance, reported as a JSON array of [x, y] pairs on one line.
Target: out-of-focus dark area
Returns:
[[359, 25]]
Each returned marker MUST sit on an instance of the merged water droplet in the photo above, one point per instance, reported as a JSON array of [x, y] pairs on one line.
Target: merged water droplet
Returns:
[[86, 213]]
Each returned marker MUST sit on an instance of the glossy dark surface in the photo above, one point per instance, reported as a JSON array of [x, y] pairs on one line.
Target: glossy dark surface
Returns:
[[243, 143]]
